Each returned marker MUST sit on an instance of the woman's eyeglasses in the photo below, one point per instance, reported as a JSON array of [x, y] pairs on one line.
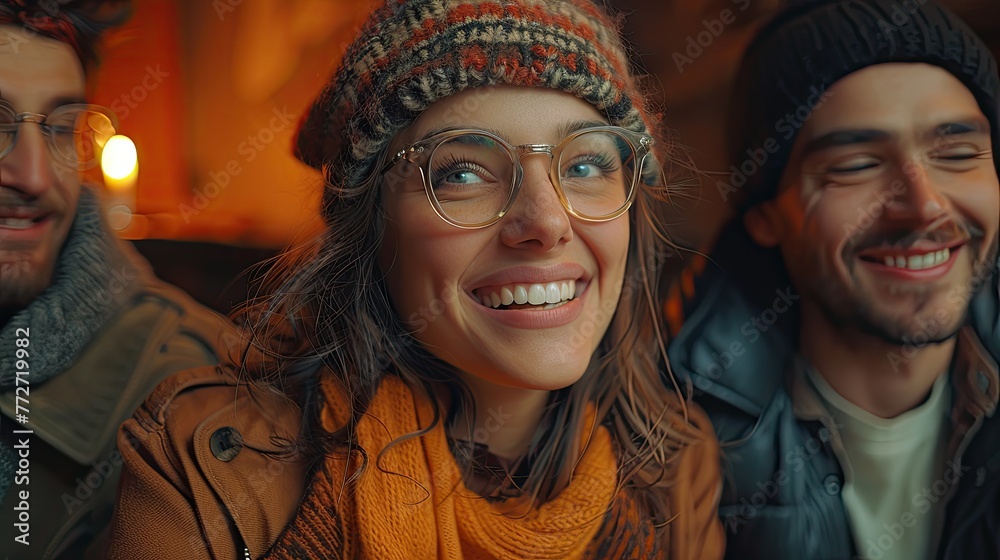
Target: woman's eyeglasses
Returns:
[[472, 177]]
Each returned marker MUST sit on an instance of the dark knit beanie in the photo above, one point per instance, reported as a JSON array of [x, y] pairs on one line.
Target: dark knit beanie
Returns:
[[806, 48], [411, 53]]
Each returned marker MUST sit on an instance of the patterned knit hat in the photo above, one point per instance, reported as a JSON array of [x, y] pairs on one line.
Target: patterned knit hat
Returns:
[[78, 23], [411, 53], [808, 47]]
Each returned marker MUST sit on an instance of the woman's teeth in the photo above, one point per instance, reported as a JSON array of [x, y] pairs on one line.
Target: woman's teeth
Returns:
[[919, 262], [551, 295]]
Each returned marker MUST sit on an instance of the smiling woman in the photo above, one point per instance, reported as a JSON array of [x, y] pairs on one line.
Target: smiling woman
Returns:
[[472, 347]]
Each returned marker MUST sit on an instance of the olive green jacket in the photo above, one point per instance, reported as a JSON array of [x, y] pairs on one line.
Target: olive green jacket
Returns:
[[73, 462]]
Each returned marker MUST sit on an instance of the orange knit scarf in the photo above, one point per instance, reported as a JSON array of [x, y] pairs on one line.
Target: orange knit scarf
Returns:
[[412, 503]]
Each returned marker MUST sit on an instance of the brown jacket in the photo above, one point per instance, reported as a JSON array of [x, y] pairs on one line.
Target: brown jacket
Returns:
[[198, 484]]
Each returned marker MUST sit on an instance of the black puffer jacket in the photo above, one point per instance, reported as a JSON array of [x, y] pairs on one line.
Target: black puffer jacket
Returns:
[[782, 476]]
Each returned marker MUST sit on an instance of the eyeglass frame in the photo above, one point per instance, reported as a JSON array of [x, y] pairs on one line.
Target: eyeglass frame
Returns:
[[641, 144], [39, 119]]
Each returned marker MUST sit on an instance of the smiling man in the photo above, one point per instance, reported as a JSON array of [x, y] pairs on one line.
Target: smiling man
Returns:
[[86, 331], [859, 418]]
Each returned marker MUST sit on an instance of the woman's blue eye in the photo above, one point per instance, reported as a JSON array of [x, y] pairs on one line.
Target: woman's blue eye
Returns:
[[582, 170], [591, 167], [463, 177], [456, 172]]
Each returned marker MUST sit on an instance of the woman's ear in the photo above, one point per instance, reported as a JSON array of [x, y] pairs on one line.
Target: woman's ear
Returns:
[[764, 224]]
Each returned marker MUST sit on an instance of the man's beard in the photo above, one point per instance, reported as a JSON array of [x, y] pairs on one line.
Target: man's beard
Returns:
[[924, 327], [848, 308], [23, 273]]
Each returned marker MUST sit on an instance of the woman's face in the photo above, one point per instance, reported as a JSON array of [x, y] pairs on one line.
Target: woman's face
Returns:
[[438, 275]]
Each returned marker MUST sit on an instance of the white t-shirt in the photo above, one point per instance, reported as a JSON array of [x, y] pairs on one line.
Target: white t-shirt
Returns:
[[893, 489]]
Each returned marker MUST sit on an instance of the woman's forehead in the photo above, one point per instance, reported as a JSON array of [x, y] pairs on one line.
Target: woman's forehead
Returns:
[[521, 115]]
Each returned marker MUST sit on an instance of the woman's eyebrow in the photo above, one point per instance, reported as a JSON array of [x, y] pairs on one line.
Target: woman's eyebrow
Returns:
[[572, 127], [441, 129], [564, 130]]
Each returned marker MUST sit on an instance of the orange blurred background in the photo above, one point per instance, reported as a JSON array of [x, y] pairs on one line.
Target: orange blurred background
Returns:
[[211, 92]]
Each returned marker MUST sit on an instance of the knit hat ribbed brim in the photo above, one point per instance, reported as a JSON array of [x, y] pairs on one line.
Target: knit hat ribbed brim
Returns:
[[809, 47], [411, 53]]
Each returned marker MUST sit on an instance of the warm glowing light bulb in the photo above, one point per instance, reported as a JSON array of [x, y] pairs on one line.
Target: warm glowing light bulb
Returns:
[[120, 159]]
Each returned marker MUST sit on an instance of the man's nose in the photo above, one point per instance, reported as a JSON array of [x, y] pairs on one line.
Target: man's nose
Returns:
[[921, 201], [28, 167]]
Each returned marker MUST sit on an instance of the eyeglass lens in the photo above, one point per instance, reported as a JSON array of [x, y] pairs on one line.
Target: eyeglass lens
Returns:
[[74, 134], [472, 175]]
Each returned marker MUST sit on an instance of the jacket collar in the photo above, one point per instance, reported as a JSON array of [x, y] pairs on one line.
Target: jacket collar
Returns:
[[78, 411], [733, 325], [977, 382]]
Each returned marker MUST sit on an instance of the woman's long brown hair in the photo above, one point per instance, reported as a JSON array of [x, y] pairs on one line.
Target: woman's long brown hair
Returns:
[[329, 313]]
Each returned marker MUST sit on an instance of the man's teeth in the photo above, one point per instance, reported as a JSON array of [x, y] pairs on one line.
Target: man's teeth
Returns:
[[532, 294], [919, 262], [16, 223]]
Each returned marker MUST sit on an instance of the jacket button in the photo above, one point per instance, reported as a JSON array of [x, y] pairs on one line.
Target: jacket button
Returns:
[[226, 444], [832, 484]]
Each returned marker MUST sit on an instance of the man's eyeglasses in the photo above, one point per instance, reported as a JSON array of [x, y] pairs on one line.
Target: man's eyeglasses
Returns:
[[472, 177], [73, 132]]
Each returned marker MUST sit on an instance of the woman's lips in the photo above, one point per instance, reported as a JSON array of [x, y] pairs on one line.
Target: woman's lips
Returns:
[[543, 316]]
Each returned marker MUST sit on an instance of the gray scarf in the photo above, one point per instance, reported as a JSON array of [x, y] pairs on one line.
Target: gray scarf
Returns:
[[93, 279]]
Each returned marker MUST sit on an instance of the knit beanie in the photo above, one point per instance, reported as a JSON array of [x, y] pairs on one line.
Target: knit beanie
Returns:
[[78, 23], [411, 53], [798, 55]]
